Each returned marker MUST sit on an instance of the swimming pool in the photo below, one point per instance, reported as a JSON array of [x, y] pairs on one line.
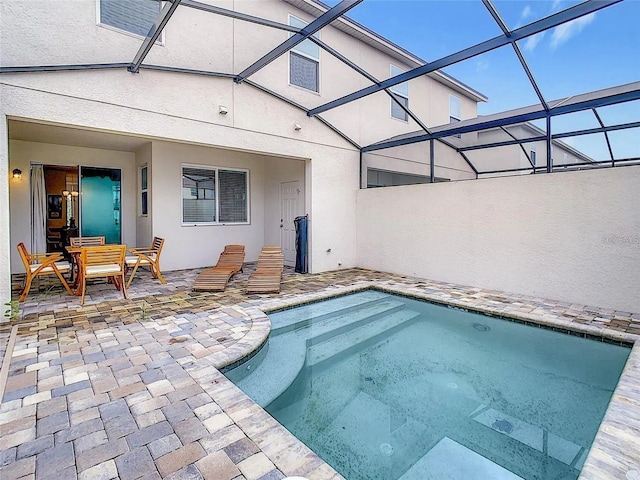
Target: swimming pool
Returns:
[[386, 387]]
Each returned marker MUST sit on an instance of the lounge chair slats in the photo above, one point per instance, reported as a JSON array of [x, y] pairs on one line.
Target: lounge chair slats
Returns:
[[215, 279], [268, 274]]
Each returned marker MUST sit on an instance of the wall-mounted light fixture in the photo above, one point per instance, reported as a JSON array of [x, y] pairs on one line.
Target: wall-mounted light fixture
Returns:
[[73, 193], [222, 110], [17, 173], [297, 127]]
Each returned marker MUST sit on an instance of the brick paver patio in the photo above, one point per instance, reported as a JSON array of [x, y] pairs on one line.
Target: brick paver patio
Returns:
[[132, 388]]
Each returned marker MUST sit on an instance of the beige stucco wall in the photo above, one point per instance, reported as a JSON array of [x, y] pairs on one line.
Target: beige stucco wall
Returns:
[[266, 130], [204, 41], [189, 246], [24, 153], [572, 236]]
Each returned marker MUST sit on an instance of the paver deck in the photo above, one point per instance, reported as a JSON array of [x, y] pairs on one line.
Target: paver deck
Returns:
[[132, 388]]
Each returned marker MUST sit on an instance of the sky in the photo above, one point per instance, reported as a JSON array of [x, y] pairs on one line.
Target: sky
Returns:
[[596, 51]]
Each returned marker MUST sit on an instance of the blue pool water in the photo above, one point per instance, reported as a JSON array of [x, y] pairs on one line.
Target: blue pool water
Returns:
[[386, 387]]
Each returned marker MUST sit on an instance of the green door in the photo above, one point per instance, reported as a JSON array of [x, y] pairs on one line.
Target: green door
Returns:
[[100, 203]]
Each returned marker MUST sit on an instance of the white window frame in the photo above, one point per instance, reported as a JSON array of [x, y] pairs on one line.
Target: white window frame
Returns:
[[400, 94], [305, 55], [143, 190], [216, 169], [159, 41]]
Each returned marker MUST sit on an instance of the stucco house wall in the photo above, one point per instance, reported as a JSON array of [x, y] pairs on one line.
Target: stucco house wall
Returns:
[[331, 161], [177, 117], [570, 236]]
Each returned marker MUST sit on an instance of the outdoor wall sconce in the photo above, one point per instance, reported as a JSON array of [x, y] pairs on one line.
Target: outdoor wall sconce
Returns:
[[17, 173], [222, 110], [297, 127]]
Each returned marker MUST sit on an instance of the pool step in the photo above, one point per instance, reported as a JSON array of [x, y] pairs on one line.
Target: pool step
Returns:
[[302, 317], [449, 459], [287, 351], [345, 322], [365, 425], [276, 372], [353, 339]]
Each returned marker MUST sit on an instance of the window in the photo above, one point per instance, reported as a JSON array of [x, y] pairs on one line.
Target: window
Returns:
[[133, 16], [402, 92], [214, 195], [533, 156], [304, 61], [455, 111], [143, 191]]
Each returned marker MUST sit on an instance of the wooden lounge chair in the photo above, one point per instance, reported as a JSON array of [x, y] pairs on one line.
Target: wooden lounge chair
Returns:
[[103, 261], [149, 257], [215, 279], [37, 264], [268, 274]]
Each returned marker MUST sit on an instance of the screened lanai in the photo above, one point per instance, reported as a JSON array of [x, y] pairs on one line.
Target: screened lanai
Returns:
[[227, 120], [548, 120]]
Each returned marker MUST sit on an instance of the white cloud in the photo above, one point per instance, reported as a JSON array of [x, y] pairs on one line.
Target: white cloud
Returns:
[[564, 32], [556, 5], [532, 41], [526, 13], [482, 65]]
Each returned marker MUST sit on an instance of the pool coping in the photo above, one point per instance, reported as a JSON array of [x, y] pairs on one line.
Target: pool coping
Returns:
[[615, 452]]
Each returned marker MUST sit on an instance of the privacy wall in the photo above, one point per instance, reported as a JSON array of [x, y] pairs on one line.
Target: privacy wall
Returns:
[[570, 236]]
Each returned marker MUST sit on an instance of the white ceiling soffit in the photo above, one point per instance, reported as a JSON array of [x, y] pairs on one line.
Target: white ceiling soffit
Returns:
[[61, 135], [362, 33]]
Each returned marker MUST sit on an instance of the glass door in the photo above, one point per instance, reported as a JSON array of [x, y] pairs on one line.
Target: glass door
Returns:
[[100, 203]]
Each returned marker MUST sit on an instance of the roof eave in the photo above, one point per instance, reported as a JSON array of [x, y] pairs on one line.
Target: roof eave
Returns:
[[355, 29]]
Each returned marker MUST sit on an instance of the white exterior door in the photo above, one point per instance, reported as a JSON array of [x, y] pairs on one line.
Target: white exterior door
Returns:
[[289, 210]]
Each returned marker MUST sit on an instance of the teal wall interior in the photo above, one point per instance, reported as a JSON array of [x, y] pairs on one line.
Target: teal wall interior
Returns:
[[100, 212]]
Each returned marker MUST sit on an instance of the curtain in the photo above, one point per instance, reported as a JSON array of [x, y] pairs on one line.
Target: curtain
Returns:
[[38, 210]]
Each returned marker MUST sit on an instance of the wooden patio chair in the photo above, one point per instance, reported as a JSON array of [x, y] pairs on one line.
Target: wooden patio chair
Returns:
[[215, 279], [268, 274], [146, 257], [86, 241], [103, 261], [77, 242], [37, 264]]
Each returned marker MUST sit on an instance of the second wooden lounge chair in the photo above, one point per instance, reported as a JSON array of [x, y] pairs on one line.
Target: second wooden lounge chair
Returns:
[[266, 278], [215, 279]]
